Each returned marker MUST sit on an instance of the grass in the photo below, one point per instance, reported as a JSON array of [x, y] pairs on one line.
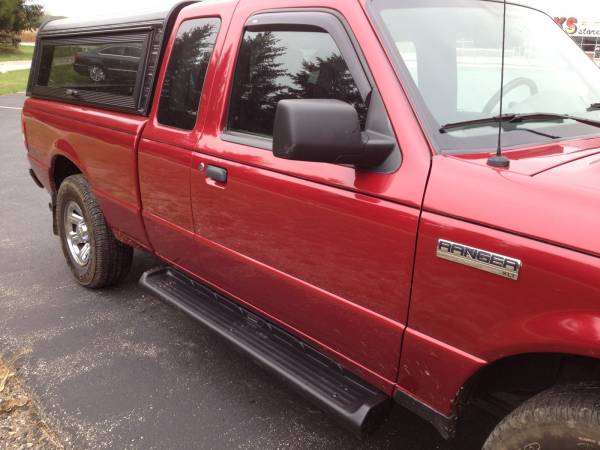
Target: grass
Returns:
[[12, 82], [9, 53]]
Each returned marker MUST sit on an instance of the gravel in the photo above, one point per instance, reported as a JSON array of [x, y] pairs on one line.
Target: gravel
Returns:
[[21, 425]]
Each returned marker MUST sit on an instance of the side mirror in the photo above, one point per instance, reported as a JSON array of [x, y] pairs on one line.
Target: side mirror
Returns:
[[323, 130]]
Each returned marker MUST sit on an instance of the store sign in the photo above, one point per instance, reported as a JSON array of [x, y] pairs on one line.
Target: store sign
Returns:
[[576, 28]]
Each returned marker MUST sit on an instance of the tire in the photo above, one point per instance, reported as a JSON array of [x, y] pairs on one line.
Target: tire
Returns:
[[96, 73], [81, 222], [558, 419]]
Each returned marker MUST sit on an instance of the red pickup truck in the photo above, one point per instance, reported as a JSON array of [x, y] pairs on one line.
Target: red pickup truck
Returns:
[[316, 176]]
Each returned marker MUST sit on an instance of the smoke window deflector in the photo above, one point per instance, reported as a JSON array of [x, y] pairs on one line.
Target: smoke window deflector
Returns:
[[334, 24]]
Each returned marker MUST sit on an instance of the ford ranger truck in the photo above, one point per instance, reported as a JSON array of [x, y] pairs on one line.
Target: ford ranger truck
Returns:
[[316, 177]]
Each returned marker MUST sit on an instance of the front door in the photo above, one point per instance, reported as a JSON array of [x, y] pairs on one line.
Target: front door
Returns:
[[314, 246]]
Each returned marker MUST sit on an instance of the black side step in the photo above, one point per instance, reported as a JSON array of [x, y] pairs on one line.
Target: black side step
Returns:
[[357, 405]]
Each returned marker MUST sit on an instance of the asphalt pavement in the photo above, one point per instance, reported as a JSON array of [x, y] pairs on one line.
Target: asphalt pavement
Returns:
[[117, 368]]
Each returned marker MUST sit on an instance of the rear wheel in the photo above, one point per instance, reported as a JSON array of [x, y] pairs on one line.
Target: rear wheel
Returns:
[[95, 256], [557, 419]]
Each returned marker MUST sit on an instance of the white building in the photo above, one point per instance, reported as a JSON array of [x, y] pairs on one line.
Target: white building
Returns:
[[579, 18], [585, 33]]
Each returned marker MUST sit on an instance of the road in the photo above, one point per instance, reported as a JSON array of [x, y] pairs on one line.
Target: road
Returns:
[[119, 369]]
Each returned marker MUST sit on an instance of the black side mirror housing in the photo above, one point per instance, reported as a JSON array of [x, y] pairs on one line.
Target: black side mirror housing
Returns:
[[324, 130]]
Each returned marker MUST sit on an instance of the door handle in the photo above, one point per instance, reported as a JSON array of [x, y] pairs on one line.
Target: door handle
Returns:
[[216, 173]]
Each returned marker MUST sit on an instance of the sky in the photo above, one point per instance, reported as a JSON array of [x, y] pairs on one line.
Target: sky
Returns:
[[583, 9]]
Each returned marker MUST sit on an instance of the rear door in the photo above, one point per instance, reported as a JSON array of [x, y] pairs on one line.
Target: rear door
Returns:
[[314, 246], [165, 150]]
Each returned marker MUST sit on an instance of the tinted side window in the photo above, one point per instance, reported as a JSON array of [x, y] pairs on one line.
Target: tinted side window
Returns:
[[180, 96], [276, 65], [89, 67]]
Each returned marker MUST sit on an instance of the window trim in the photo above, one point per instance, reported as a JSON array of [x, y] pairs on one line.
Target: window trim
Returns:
[[301, 20], [129, 104], [249, 139], [165, 63]]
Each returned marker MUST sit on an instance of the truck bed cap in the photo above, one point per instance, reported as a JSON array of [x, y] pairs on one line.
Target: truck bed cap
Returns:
[[82, 25]]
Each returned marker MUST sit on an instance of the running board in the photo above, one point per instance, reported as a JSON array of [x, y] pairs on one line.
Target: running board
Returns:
[[357, 405]]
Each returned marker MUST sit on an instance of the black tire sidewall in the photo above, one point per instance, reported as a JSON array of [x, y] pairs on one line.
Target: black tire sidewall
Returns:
[[562, 418], [550, 437], [70, 191]]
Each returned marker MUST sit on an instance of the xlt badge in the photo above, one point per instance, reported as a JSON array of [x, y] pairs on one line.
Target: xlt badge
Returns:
[[479, 259]]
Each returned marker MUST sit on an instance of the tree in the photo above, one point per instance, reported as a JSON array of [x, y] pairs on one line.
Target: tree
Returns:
[[257, 85], [328, 78], [17, 16], [185, 74]]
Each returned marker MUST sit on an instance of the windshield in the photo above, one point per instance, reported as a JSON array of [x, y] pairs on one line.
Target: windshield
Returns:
[[450, 57]]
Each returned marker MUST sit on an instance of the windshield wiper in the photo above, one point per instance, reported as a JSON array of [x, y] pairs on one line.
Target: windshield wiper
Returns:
[[517, 118]]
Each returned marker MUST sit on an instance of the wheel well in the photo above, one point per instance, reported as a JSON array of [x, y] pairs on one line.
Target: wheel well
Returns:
[[503, 385], [62, 168]]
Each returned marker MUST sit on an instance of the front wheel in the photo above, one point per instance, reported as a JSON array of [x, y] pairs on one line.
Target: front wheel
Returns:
[[95, 256], [557, 419]]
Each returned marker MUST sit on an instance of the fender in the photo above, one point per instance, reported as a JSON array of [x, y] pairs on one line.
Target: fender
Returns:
[[569, 332], [441, 383], [62, 148], [463, 319], [69, 156], [102, 145]]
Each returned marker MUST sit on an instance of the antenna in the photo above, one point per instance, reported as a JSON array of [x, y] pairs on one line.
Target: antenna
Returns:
[[498, 160]]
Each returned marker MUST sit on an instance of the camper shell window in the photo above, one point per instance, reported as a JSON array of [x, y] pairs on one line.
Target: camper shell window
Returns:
[[106, 65]]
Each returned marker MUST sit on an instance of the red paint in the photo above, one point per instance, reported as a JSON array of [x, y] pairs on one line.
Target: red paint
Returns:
[[532, 206], [328, 251], [534, 160], [553, 307], [101, 144]]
